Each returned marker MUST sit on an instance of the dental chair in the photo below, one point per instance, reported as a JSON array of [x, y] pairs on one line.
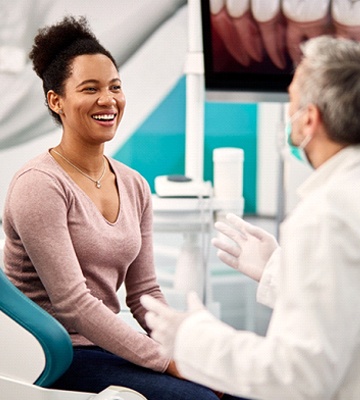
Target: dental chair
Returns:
[[35, 350]]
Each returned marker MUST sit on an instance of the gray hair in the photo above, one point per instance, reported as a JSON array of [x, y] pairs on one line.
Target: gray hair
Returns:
[[331, 81]]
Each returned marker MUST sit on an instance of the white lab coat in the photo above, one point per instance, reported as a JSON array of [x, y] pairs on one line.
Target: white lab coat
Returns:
[[312, 348]]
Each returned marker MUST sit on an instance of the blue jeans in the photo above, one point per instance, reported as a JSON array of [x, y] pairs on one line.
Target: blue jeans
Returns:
[[94, 369]]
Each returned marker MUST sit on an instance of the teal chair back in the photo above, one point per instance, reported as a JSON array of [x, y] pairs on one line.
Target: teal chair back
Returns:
[[34, 346]]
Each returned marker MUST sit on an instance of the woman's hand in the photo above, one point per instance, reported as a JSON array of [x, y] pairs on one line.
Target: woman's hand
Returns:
[[173, 371]]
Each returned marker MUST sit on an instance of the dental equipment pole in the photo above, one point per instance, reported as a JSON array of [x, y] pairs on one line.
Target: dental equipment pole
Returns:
[[195, 95], [191, 260]]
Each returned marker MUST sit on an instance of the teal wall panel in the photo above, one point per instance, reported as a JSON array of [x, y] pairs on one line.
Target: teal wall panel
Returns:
[[233, 125], [158, 145]]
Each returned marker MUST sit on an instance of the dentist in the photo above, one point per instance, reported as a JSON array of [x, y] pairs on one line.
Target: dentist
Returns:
[[312, 347]]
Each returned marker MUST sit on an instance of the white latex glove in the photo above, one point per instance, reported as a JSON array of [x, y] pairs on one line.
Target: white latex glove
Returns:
[[164, 321], [252, 247]]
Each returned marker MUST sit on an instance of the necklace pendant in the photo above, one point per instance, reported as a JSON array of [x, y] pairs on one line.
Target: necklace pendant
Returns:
[[98, 184]]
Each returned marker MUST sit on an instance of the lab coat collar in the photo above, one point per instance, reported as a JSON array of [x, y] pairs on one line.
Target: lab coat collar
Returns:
[[345, 158]]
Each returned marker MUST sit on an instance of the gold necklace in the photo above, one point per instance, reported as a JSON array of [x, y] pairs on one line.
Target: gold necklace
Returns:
[[96, 181]]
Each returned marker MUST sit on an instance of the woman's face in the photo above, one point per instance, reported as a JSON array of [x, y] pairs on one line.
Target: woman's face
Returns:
[[93, 104]]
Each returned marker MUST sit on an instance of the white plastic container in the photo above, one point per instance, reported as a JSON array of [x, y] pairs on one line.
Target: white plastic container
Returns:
[[228, 180], [228, 173]]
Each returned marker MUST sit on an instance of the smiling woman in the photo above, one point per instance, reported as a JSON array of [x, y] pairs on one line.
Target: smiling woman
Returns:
[[78, 225], [92, 100]]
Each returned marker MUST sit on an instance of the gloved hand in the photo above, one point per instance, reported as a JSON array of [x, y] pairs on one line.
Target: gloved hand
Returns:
[[164, 321], [252, 249]]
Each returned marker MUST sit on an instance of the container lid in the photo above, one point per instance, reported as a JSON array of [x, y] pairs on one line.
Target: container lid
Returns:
[[228, 154]]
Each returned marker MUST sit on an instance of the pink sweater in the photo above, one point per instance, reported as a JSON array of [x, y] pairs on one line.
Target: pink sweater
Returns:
[[63, 254]]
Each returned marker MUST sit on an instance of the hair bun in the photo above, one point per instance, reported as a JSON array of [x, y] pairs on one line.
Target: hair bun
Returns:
[[51, 41]]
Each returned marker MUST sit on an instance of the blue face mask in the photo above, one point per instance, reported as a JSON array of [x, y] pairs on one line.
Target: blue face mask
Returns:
[[297, 151]]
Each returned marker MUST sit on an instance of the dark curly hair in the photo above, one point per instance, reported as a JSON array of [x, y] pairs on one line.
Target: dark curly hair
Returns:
[[54, 49]]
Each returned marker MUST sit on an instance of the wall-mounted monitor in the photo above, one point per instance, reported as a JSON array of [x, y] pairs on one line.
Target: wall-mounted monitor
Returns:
[[250, 47]]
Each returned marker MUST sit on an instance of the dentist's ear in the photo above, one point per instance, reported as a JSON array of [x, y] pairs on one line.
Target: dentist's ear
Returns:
[[313, 120], [54, 102]]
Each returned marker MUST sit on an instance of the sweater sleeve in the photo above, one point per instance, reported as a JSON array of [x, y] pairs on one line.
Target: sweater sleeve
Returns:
[[37, 210]]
